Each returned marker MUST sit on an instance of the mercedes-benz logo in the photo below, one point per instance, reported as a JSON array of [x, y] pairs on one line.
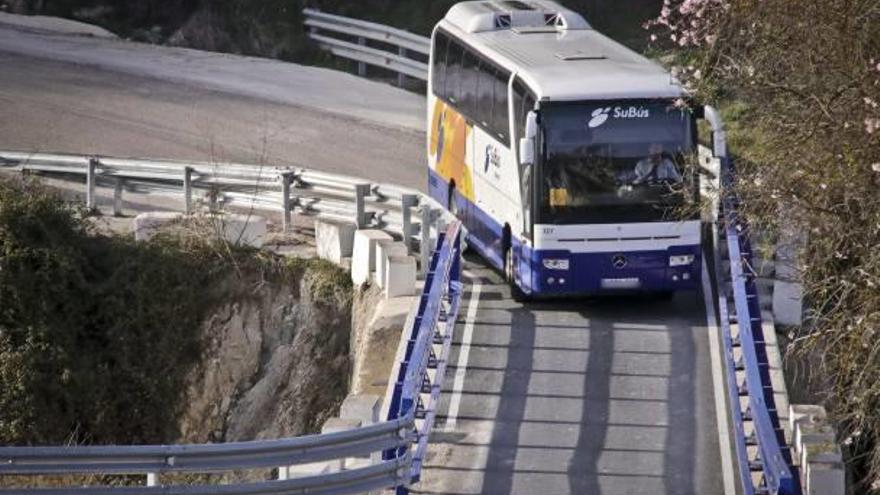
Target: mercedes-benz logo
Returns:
[[619, 261]]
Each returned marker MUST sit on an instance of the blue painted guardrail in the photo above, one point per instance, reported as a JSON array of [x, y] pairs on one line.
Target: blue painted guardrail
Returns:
[[418, 383], [764, 459]]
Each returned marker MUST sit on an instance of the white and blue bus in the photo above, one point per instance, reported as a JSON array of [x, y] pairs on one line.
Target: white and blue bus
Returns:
[[561, 151]]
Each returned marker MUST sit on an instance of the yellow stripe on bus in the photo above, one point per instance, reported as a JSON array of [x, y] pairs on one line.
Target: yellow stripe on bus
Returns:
[[450, 134]]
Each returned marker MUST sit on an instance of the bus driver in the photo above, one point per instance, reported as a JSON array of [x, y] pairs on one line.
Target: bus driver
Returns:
[[656, 167]]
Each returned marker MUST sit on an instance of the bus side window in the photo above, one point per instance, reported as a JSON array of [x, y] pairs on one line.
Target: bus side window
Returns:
[[441, 45], [500, 116], [453, 72], [518, 125], [470, 74], [485, 98], [523, 103]]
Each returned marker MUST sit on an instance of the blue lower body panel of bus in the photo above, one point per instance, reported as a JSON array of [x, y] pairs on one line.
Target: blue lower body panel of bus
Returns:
[[609, 272], [586, 273]]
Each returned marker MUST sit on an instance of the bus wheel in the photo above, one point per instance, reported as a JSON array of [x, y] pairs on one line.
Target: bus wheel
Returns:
[[665, 295], [451, 204], [515, 292]]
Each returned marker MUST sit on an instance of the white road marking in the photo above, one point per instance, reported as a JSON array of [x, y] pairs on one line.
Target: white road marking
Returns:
[[719, 388], [463, 355]]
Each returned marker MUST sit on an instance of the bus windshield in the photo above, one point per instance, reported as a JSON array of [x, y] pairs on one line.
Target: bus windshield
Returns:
[[612, 162]]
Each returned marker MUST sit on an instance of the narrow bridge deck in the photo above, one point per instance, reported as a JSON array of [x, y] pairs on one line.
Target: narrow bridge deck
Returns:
[[579, 397]]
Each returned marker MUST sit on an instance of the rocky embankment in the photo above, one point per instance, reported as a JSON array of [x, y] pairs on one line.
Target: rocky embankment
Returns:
[[275, 360]]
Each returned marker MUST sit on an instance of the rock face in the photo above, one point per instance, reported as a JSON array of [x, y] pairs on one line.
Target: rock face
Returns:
[[202, 31], [275, 363]]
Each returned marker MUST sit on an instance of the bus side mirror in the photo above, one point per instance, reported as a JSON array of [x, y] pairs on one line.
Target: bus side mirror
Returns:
[[531, 130], [527, 151], [527, 143]]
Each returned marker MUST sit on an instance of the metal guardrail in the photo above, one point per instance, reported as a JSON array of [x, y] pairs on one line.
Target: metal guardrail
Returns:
[[401, 440], [207, 457], [211, 458], [764, 459], [286, 190], [423, 366], [350, 482], [360, 32]]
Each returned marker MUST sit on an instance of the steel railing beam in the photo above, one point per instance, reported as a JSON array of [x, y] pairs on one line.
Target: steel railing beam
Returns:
[[354, 47], [365, 29], [372, 56]]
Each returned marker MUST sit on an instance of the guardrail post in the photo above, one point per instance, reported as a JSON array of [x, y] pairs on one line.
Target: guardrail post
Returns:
[[152, 479], [286, 181], [187, 189], [407, 201], [361, 192], [425, 248], [455, 271], [440, 225], [214, 199], [90, 182], [362, 67], [401, 77], [117, 197]]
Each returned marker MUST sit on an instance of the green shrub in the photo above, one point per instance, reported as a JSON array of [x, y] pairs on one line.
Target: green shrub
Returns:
[[96, 333]]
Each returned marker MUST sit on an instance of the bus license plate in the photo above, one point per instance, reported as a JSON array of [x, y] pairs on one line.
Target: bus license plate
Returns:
[[621, 283]]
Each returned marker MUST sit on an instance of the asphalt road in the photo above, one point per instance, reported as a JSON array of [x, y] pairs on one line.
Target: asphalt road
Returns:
[[111, 108], [605, 396]]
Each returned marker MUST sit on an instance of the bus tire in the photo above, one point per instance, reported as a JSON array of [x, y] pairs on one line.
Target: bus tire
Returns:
[[515, 292], [451, 204], [665, 295]]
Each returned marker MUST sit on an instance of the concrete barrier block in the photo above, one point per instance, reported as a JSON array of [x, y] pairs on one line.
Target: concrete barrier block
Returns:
[[363, 257], [400, 276], [384, 250], [823, 453], [818, 445], [308, 469], [808, 419], [335, 425], [334, 239], [788, 303], [245, 230], [147, 225], [806, 412], [361, 407], [825, 478]]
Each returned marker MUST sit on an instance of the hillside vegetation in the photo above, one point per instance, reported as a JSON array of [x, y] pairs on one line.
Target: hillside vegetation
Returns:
[[95, 332], [273, 28], [801, 85]]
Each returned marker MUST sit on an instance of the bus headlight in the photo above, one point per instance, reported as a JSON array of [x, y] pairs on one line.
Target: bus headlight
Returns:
[[681, 260], [556, 264]]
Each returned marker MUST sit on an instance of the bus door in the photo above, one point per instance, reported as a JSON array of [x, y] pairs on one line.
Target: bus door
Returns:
[[524, 102]]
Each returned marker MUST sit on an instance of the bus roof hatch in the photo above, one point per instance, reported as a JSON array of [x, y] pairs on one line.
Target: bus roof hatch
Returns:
[[522, 15]]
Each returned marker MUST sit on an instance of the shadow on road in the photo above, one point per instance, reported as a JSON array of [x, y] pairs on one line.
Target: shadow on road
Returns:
[[600, 396]]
